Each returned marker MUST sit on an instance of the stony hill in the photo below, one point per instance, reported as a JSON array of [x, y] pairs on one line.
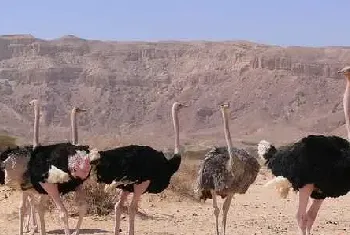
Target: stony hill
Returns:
[[278, 93]]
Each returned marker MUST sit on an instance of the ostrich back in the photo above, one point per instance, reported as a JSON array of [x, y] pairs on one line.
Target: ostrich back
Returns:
[[215, 174], [43, 157], [133, 164], [316, 159]]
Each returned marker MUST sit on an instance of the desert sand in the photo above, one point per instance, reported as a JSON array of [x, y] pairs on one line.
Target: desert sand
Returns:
[[259, 211]]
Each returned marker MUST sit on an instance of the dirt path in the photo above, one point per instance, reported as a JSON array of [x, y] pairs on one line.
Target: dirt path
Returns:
[[258, 212]]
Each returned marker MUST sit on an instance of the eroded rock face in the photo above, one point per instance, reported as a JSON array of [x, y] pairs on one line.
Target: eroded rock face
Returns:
[[129, 87]]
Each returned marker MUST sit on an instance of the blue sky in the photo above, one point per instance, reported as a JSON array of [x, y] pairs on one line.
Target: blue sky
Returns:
[[298, 22]]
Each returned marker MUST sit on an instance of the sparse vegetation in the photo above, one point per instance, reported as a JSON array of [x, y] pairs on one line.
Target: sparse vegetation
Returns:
[[7, 141], [99, 202], [183, 181]]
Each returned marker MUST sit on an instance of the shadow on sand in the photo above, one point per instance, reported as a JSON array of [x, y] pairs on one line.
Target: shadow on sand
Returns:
[[81, 231]]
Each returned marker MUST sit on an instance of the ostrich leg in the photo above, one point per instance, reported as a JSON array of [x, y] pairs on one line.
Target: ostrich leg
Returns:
[[304, 194], [118, 211], [80, 199], [139, 189], [312, 214], [22, 209], [52, 191], [216, 211], [31, 215], [225, 208], [41, 212], [27, 223]]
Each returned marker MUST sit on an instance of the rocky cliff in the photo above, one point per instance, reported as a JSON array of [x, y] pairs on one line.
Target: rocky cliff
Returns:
[[278, 93]]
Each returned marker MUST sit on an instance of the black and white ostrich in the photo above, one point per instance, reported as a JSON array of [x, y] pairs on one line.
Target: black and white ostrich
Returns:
[[58, 169], [137, 169], [52, 170], [225, 171], [317, 166]]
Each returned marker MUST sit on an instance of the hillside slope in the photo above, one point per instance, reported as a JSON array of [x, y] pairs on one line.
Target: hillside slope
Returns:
[[275, 92]]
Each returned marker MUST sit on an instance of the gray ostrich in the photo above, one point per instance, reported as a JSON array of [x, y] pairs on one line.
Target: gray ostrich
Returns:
[[225, 172]]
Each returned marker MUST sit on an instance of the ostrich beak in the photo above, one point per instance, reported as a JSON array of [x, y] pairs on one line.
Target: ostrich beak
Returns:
[[79, 110], [225, 105], [33, 102]]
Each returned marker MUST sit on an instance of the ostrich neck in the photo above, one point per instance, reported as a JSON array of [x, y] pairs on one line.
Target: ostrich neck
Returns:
[[36, 126], [176, 129], [227, 133], [74, 129], [346, 104]]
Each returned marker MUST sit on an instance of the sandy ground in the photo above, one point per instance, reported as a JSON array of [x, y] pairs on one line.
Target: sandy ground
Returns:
[[259, 211]]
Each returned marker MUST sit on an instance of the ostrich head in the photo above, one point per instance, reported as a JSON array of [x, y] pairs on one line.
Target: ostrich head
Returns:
[[79, 164], [34, 102], [78, 110], [346, 72], [178, 105], [225, 106]]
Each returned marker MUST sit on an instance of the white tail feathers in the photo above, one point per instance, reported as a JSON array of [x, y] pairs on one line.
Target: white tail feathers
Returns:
[[114, 184], [281, 184], [263, 148], [94, 154], [110, 187], [57, 176]]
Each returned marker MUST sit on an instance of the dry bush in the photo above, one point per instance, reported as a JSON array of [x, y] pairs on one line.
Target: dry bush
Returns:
[[184, 180], [7, 141], [99, 202]]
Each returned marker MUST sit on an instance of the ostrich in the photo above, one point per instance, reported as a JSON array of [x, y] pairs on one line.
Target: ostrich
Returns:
[[58, 169], [137, 169], [14, 163], [317, 166], [22, 155], [19, 157], [51, 170], [74, 133], [225, 172]]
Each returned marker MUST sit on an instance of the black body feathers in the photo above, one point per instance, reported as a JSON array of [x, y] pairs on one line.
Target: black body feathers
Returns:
[[43, 157], [316, 159], [132, 164]]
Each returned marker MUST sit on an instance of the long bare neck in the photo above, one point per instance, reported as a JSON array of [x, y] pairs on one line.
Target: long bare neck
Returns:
[[346, 105], [227, 133], [74, 129], [176, 129], [36, 125]]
